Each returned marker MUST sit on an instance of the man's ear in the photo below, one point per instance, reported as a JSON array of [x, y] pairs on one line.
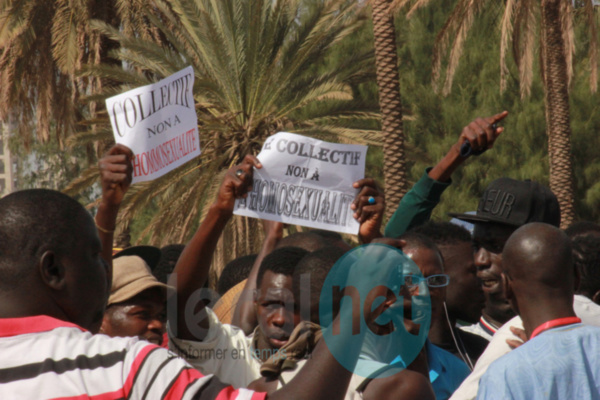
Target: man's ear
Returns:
[[52, 271], [508, 292]]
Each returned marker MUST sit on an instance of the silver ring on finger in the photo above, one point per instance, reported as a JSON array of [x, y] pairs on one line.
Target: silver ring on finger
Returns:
[[239, 173]]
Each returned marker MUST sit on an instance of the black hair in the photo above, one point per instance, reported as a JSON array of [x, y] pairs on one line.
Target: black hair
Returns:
[[443, 233], [234, 272], [169, 255], [582, 228], [280, 261], [316, 267], [31, 223], [305, 240], [417, 239], [586, 254], [414, 239], [312, 240]]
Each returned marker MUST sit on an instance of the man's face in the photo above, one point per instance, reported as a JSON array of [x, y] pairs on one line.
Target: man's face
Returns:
[[87, 278], [464, 295], [143, 316], [276, 311], [489, 240], [430, 263]]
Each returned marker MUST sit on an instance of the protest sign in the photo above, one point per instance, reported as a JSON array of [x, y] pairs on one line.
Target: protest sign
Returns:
[[307, 182], [158, 123]]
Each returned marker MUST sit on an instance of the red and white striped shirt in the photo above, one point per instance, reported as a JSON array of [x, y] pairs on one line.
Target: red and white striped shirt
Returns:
[[45, 358]]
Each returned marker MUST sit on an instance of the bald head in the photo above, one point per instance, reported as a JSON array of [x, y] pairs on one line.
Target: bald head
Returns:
[[50, 259], [32, 222], [539, 255]]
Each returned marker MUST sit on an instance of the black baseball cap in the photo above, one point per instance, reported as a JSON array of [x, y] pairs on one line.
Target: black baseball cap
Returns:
[[511, 202]]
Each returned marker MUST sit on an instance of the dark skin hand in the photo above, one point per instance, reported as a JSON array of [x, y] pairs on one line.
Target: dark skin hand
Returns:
[[115, 176], [522, 337], [370, 216], [193, 265], [480, 134]]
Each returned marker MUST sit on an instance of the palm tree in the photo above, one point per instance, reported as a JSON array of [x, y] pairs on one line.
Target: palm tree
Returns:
[[521, 19], [42, 44], [260, 67], [390, 102]]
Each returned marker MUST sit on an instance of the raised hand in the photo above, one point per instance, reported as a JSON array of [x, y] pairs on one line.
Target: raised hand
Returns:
[[481, 133], [237, 183], [368, 207], [115, 174]]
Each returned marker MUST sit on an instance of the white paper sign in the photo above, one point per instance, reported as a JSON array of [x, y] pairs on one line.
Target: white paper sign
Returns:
[[158, 123], [307, 182]]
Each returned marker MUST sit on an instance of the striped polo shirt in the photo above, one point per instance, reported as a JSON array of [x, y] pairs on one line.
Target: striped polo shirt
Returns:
[[45, 358]]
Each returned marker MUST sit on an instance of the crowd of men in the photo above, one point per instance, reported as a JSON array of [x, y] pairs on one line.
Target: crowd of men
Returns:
[[512, 302]]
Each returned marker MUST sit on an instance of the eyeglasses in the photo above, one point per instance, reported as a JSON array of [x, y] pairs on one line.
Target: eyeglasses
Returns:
[[434, 281]]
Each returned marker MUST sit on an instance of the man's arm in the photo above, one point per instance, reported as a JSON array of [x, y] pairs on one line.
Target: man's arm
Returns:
[[193, 265], [115, 174], [417, 205]]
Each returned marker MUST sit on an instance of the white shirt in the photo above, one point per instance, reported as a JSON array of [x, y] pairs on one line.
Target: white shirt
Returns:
[[479, 329], [588, 311], [225, 352], [46, 358]]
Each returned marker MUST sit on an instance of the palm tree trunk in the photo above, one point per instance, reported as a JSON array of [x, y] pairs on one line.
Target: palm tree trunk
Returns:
[[386, 59], [554, 72]]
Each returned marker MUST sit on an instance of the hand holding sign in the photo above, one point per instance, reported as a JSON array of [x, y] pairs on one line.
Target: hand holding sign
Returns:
[[307, 182], [115, 174], [368, 207], [237, 182], [480, 134], [159, 123]]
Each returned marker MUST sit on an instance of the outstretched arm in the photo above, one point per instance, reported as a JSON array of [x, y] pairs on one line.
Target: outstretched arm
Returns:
[[416, 206], [193, 265], [115, 175]]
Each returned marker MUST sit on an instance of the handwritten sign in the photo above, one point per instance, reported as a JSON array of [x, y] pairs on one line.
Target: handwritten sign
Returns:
[[307, 182], [158, 123]]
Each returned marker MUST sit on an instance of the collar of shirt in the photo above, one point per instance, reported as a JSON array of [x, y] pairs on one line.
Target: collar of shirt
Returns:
[[39, 323]]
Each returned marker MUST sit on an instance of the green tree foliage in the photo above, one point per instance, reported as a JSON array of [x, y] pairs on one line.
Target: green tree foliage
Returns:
[[255, 68], [42, 44], [521, 151]]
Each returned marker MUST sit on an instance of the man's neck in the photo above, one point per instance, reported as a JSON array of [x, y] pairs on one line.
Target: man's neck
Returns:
[[496, 321], [440, 333], [543, 312]]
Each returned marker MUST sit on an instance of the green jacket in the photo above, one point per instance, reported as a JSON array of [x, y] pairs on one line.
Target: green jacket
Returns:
[[416, 205]]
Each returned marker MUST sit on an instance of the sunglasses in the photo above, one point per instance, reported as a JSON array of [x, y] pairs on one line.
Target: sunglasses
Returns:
[[412, 282]]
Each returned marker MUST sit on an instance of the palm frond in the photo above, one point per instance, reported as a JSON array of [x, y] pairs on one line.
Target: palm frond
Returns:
[[506, 32], [592, 15]]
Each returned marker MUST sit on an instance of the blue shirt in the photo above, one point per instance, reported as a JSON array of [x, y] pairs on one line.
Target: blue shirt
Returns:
[[560, 363], [446, 371]]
